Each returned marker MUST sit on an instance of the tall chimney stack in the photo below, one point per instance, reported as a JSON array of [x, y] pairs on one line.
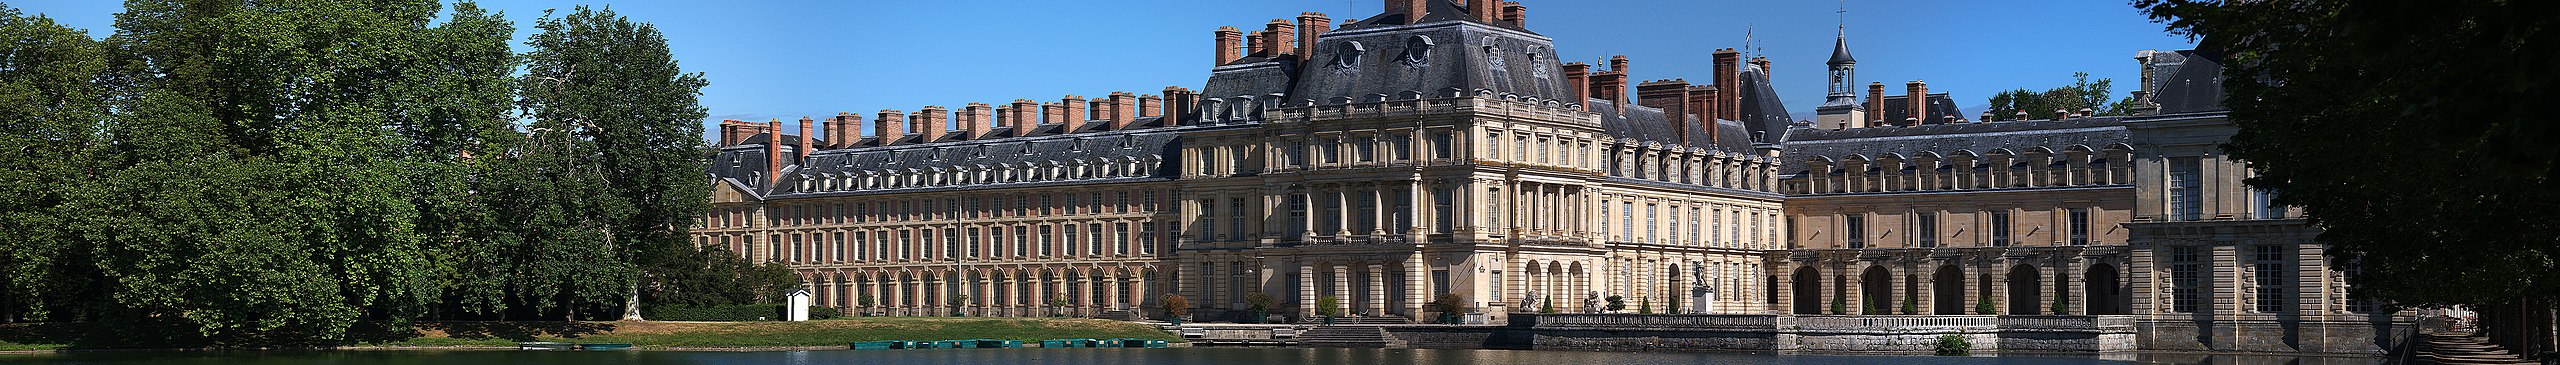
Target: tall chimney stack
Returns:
[[932, 123], [1763, 64], [1150, 105], [1875, 104], [806, 126], [1124, 109], [1516, 13], [852, 129], [727, 133], [1230, 41], [892, 126], [773, 152], [1180, 104], [1026, 115], [1484, 10], [1073, 113], [1413, 10], [1253, 43], [1673, 97], [1919, 101], [978, 119], [1702, 105], [1728, 84], [1577, 78], [1311, 27], [1280, 37]]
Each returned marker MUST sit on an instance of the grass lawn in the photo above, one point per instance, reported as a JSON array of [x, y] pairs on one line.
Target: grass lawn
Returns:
[[834, 332]]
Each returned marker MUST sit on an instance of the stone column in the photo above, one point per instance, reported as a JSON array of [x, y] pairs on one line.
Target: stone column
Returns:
[[1417, 284], [1377, 304], [1342, 286], [1378, 211], [1111, 295], [2077, 286], [2145, 283], [1998, 269], [1138, 293], [1306, 290]]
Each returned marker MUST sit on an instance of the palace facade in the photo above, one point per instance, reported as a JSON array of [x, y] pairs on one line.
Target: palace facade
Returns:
[[1441, 148]]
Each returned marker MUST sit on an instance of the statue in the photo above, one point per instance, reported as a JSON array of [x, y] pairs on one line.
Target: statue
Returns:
[[1530, 303]]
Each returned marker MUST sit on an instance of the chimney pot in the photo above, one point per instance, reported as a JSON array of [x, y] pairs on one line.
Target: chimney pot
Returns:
[[1230, 41], [1311, 27], [1516, 13], [891, 126], [1413, 10], [1484, 10]]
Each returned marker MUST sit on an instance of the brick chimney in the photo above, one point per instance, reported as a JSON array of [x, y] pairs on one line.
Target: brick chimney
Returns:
[[1230, 41], [852, 125], [1124, 109], [1728, 84], [1702, 105], [1763, 64], [1919, 101], [978, 120], [1025, 116], [728, 134], [1150, 105], [1413, 10], [806, 143], [1673, 97], [1073, 113], [1484, 10], [1253, 43], [1516, 13], [773, 152], [1577, 78], [1311, 27], [1051, 113], [1875, 103], [892, 126], [1280, 37], [1612, 84], [932, 123], [1180, 105]]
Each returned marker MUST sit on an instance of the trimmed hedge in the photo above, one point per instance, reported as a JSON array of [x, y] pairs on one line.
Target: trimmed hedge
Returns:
[[734, 313]]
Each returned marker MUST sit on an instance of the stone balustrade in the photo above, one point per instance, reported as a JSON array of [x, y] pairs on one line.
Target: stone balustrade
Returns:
[[1844, 334]]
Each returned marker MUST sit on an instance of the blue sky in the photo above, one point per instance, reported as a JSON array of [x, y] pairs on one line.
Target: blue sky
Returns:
[[786, 59]]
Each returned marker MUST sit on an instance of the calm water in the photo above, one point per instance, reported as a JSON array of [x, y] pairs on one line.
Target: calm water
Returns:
[[1288, 356]]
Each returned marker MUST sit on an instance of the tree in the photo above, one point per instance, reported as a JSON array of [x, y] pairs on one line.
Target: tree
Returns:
[[2414, 134], [51, 101], [616, 85], [1617, 303], [1644, 305], [1982, 306], [1329, 306], [2080, 94], [256, 149], [1176, 307], [1449, 305]]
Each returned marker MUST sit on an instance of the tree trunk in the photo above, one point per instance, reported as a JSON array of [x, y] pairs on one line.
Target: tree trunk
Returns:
[[631, 301]]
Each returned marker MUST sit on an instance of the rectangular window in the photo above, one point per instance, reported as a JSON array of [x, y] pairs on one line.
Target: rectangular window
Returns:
[[1073, 244], [1093, 239], [1207, 221], [1365, 148], [1045, 232], [1495, 277], [1675, 224], [906, 243], [1331, 149], [1236, 214], [1604, 219], [1697, 234], [1400, 147], [2186, 179], [1520, 148], [1021, 241], [2080, 226], [1650, 226], [2265, 202], [1441, 145], [1147, 238], [1715, 228], [1924, 227], [974, 242], [1120, 238], [799, 249], [1627, 216], [1855, 226], [2000, 228], [2186, 279], [2272, 271]]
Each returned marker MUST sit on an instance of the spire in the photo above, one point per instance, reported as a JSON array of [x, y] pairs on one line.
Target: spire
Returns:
[[1840, 46]]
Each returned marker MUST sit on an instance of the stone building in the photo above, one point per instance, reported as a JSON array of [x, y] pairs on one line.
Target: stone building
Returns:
[[1442, 148]]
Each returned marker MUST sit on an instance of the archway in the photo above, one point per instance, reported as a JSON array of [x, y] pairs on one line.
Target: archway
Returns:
[[1878, 286], [1808, 291], [2026, 288], [2102, 287], [1949, 285], [1676, 291]]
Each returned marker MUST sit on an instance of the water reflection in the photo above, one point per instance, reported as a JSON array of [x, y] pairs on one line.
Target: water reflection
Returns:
[[1287, 356]]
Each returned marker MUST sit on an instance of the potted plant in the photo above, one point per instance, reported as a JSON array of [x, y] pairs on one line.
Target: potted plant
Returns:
[[1449, 305], [1329, 307], [1258, 307], [959, 305]]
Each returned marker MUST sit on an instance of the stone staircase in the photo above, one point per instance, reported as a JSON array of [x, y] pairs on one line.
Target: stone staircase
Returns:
[[2462, 349], [1350, 337]]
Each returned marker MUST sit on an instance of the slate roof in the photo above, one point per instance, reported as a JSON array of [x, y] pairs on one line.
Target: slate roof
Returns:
[[1762, 113], [2187, 82], [1942, 109], [1979, 138]]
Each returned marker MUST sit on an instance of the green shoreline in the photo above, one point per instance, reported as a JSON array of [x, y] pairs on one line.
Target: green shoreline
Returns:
[[658, 335]]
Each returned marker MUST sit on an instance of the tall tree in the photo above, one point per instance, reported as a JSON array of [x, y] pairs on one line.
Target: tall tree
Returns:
[[51, 103], [262, 187], [614, 83], [2080, 94], [2413, 133]]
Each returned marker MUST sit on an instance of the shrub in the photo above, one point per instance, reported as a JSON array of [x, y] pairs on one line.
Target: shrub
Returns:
[[818, 313], [1329, 306], [1869, 308], [1839, 305], [1983, 306], [1260, 303], [2061, 304], [1910, 306], [1548, 305], [1175, 306], [1644, 305], [1617, 303], [1954, 345]]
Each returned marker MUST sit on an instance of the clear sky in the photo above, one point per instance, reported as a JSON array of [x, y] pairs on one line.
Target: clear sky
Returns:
[[786, 59]]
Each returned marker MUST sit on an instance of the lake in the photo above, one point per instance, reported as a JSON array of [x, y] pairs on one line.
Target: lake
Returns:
[[1291, 356]]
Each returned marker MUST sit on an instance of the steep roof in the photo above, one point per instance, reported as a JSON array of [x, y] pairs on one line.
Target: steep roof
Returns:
[[1979, 138]]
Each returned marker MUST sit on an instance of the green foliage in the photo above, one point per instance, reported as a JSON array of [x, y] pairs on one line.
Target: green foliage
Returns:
[[1910, 306], [2398, 122], [1644, 305], [1983, 306], [1839, 305], [1548, 305], [1868, 306], [1448, 303], [1175, 306], [2080, 94], [1259, 302], [1329, 306], [1954, 345], [1616, 303], [51, 99], [1674, 308], [2061, 303]]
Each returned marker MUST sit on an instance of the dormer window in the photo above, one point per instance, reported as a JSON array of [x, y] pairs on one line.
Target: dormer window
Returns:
[[1417, 50]]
